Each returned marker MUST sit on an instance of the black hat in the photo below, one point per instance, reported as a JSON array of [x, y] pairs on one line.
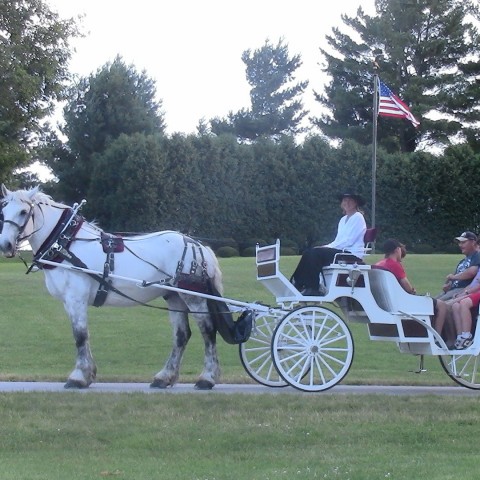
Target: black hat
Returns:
[[358, 198], [466, 236], [391, 245]]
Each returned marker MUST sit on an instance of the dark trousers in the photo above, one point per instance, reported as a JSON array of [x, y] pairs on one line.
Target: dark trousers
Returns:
[[310, 266]]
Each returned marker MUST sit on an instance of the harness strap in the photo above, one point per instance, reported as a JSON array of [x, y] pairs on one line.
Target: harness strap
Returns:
[[108, 267], [60, 237], [149, 263], [194, 264], [195, 245], [107, 285]]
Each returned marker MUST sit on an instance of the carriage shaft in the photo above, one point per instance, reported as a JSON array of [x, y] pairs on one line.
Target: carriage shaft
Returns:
[[144, 284]]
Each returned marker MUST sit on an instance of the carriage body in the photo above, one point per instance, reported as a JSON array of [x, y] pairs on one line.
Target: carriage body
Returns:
[[311, 348]]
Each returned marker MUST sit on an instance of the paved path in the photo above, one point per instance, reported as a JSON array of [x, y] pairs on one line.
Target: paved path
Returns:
[[185, 388]]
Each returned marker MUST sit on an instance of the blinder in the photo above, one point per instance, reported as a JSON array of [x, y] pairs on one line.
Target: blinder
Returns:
[[20, 228]]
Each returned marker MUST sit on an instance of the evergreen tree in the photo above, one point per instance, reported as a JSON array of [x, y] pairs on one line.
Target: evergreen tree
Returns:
[[124, 193], [426, 51], [275, 105]]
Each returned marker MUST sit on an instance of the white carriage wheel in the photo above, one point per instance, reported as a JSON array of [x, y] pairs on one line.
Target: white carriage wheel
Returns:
[[255, 353], [463, 369], [312, 348]]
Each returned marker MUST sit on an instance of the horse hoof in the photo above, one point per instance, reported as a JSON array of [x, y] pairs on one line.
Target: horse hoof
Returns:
[[75, 384], [204, 385], [159, 383]]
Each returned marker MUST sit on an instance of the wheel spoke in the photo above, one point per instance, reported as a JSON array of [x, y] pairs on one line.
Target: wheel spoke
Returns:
[[462, 368]]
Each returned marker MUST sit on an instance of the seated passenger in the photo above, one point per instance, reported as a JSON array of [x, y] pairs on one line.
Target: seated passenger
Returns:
[[350, 233], [466, 269], [454, 290], [394, 253], [461, 306]]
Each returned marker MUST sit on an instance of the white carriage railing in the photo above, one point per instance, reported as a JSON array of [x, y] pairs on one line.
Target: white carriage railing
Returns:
[[269, 274]]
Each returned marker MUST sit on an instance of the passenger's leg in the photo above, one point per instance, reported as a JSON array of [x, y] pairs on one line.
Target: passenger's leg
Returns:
[[457, 317], [465, 314], [463, 322], [440, 315]]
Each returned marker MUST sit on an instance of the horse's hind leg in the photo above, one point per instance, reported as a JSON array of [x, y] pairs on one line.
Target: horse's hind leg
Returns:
[[211, 368], [169, 374], [85, 369]]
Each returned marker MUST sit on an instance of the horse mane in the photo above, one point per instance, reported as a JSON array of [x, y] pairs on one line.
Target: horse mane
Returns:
[[33, 194]]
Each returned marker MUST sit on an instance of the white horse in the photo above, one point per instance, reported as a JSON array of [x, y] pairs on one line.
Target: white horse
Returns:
[[57, 233]]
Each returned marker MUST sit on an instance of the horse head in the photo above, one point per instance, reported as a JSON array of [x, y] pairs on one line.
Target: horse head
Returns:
[[17, 211]]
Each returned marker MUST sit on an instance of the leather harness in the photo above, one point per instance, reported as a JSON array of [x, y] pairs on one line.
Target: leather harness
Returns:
[[56, 249]]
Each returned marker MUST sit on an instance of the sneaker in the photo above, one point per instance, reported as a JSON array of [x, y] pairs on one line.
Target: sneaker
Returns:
[[463, 342], [468, 341]]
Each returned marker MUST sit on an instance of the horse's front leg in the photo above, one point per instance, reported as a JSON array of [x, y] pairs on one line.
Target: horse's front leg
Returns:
[[168, 376], [85, 369]]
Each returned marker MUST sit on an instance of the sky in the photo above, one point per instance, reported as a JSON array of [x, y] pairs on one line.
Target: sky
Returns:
[[193, 48]]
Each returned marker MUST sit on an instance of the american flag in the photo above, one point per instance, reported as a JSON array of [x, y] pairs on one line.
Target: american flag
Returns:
[[389, 105]]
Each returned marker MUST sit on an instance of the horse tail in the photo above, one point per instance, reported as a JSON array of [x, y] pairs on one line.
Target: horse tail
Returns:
[[217, 277]]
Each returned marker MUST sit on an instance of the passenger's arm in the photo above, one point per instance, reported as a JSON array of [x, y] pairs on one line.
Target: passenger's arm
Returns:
[[407, 286], [467, 274]]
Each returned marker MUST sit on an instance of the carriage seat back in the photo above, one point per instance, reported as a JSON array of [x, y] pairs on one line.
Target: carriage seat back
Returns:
[[391, 297], [379, 288], [369, 239]]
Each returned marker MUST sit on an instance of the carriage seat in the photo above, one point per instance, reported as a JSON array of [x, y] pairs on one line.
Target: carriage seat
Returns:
[[391, 297]]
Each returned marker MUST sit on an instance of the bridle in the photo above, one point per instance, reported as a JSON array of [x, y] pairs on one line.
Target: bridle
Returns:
[[20, 228]]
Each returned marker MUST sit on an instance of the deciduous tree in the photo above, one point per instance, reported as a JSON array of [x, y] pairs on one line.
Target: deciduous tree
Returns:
[[34, 54]]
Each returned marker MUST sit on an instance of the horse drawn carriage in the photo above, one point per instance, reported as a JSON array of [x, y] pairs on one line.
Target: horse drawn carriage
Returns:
[[302, 341], [307, 344]]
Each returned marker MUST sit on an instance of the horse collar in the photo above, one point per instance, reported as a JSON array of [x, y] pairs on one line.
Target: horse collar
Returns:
[[60, 237]]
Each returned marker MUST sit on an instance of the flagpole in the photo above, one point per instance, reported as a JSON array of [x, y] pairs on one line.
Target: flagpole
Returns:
[[374, 142]]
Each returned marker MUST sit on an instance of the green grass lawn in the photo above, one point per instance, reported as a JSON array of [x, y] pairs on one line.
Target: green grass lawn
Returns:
[[212, 436]]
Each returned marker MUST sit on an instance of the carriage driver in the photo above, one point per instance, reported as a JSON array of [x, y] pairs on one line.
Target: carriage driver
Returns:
[[350, 232]]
